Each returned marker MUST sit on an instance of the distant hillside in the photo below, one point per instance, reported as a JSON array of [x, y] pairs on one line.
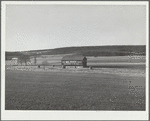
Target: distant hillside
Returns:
[[9, 55], [86, 51], [99, 50]]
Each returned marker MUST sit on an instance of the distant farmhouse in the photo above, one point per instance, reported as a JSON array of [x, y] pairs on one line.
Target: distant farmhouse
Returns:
[[74, 61], [14, 61]]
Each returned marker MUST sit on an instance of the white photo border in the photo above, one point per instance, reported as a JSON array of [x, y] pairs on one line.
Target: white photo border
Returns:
[[71, 115]]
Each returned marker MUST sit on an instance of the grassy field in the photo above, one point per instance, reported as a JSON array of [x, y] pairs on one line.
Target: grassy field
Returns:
[[91, 61], [117, 89]]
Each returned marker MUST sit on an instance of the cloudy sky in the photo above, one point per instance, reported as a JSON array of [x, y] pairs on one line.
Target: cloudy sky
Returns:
[[32, 27]]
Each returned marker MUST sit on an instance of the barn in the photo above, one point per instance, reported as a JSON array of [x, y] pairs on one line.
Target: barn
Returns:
[[74, 60]]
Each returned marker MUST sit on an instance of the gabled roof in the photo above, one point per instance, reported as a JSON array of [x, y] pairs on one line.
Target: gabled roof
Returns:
[[73, 57]]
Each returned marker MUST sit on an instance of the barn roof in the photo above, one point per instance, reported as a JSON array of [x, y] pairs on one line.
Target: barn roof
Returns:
[[14, 58], [73, 57]]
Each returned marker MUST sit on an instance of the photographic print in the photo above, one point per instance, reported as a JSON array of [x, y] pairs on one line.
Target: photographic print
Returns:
[[75, 58]]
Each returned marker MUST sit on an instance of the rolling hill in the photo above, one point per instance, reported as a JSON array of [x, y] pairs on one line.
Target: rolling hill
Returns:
[[85, 51]]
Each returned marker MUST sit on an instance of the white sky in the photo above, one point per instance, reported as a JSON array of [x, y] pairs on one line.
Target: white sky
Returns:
[[31, 27]]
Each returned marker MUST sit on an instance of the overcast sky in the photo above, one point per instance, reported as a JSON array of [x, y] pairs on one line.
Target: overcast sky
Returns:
[[32, 27]]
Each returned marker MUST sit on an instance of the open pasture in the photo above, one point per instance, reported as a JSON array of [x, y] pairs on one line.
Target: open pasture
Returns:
[[117, 59], [67, 90], [115, 83], [103, 61], [98, 60]]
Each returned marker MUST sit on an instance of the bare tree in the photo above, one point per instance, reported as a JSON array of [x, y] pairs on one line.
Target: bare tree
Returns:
[[44, 63], [24, 59], [35, 60]]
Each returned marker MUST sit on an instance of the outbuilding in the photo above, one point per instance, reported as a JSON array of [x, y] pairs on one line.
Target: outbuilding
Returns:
[[14, 61], [74, 60]]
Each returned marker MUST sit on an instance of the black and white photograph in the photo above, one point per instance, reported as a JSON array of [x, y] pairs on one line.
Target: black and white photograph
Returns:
[[75, 60]]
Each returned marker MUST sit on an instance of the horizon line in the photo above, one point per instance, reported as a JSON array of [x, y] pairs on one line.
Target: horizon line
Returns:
[[70, 47]]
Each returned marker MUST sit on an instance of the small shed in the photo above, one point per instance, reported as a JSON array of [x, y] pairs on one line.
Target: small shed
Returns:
[[74, 60], [14, 61]]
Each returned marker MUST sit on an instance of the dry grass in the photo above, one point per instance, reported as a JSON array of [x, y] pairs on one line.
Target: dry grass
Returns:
[[69, 89], [108, 87]]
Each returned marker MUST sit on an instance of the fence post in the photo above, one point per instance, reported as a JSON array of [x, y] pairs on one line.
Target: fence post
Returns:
[[90, 67], [63, 66]]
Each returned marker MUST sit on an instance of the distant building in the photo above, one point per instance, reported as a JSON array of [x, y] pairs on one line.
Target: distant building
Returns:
[[14, 58], [74, 60], [14, 61]]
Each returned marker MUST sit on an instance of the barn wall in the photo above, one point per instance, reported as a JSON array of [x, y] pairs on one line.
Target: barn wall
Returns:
[[73, 62]]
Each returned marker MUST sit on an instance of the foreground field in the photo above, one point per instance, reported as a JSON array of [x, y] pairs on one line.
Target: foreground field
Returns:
[[75, 90]]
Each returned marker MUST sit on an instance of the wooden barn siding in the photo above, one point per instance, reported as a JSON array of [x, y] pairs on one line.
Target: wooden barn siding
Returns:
[[73, 62]]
